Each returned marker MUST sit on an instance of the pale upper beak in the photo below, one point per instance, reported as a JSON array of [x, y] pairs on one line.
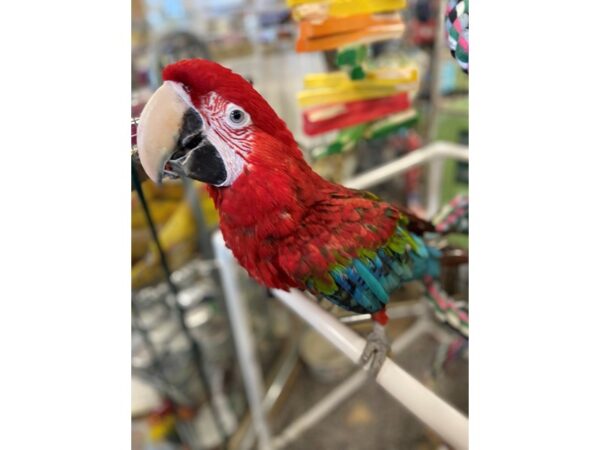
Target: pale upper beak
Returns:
[[170, 139]]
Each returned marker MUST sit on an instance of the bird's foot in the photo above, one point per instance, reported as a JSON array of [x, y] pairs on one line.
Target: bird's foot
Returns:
[[375, 352]]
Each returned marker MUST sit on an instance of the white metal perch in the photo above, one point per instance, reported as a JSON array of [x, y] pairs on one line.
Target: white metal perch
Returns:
[[445, 420], [344, 390]]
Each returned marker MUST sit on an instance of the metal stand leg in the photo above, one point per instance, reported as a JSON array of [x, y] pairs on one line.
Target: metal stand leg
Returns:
[[435, 96], [244, 342], [434, 185]]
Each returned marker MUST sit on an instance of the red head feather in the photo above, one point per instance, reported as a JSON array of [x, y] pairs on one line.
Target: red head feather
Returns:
[[201, 76]]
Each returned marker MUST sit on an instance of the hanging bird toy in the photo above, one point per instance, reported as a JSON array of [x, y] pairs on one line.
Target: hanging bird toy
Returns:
[[457, 31], [287, 226]]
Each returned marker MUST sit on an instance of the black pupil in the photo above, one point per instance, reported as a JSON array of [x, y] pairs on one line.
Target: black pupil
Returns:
[[236, 115]]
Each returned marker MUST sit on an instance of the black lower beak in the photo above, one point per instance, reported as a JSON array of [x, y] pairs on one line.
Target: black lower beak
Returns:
[[195, 157]]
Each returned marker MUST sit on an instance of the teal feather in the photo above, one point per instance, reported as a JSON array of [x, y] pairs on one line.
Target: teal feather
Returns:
[[365, 283], [371, 281]]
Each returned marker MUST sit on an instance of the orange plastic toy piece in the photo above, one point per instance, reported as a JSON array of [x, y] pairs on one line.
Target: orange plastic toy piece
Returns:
[[335, 32]]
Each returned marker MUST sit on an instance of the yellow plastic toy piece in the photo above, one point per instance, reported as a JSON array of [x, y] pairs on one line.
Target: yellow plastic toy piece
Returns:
[[385, 77], [160, 210], [161, 428], [324, 96], [321, 9], [337, 87]]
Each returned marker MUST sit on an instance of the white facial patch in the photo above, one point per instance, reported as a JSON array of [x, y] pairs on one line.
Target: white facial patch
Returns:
[[229, 128], [234, 164]]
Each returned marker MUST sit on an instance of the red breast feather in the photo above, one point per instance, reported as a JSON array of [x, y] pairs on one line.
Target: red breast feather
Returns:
[[284, 223]]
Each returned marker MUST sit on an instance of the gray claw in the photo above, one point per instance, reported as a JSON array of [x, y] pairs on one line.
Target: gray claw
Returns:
[[375, 352]]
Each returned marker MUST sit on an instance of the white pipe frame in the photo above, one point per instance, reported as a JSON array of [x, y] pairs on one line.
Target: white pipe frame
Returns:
[[340, 393], [243, 338], [450, 424]]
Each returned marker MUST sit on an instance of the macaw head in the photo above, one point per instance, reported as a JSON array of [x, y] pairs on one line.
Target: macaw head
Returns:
[[207, 123]]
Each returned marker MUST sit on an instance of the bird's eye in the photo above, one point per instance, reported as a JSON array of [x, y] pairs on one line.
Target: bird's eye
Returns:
[[237, 117]]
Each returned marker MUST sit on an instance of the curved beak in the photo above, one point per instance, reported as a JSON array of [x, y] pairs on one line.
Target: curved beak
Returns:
[[171, 142]]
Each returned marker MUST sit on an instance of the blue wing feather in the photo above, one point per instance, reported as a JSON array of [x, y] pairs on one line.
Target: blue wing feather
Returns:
[[364, 285]]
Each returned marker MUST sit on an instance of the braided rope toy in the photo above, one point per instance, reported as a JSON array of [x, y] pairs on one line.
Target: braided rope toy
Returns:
[[457, 31], [454, 216], [445, 308]]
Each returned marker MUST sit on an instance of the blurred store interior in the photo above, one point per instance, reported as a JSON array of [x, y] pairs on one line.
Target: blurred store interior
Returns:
[[189, 377]]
